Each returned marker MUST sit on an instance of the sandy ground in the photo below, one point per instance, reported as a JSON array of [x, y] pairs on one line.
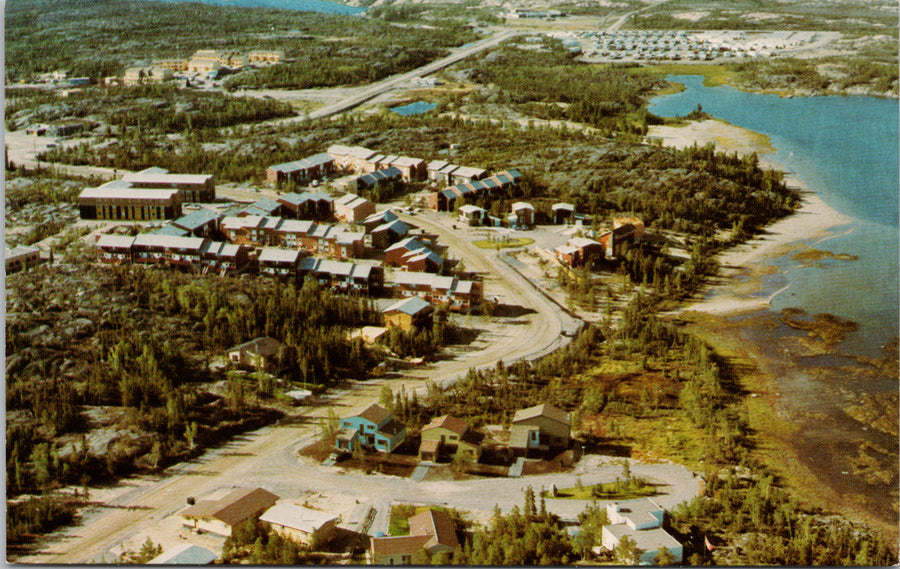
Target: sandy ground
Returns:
[[813, 220]]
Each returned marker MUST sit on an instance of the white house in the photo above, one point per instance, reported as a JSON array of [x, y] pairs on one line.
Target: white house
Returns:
[[641, 520]]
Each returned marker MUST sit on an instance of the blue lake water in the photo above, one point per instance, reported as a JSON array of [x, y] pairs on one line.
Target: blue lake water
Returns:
[[322, 6], [845, 149], [416, 108]]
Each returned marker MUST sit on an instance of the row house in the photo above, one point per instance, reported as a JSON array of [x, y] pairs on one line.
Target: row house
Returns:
[[319, 239], [265, 56], [378, 219], [449, 174], [115, 249], [411, 169], [200, 223], [166, 249], [352, 208], [445, 199], [377, 179], [343, 276], [223, 258], [274, 262], [115, 200], [264, 207], [455, 294], [353, 158], [386, 234], [413, 255], [192, 187], [301, 171], [308, 205]]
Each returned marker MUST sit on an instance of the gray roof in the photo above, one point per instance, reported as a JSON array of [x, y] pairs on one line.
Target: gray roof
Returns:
[[185, 554], [382, 216], [645, 539], [295, 517], [397, 226], [196, 219], [275, 255], [169, 229], [153, 240], [117, 241], [412, 306]]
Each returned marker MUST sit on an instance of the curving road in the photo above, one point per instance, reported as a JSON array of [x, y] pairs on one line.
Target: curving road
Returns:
[[267, 457]]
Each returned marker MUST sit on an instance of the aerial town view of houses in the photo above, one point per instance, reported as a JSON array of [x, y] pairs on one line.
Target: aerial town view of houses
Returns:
[[517, 282]]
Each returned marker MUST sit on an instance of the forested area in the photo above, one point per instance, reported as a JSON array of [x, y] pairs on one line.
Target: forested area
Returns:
[[102, 38], [140, 340], [549, 83], [142, 111]]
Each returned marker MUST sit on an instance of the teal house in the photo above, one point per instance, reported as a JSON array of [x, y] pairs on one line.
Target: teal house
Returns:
[[373, 429]]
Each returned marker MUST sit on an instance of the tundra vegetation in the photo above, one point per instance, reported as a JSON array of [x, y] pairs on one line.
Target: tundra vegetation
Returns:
[[100, 39]]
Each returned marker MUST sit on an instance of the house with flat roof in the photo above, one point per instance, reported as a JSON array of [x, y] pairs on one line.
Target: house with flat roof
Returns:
[[472, 215], [221, 516], [462, 174], [302, 525], [184, 554], [642, 521], [430, 532], [119, 201], [562, 212], [276, 262], [192, 187], [353, 158], [522, 215], [375, 428]]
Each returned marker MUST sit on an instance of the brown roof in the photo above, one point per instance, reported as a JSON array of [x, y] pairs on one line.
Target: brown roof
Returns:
[[375, 413], [543, 410], [403, 545], [234, 508], [438, 525], [454, 424]]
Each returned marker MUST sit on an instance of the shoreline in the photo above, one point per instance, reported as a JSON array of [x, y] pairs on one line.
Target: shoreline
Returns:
[[737, 292]]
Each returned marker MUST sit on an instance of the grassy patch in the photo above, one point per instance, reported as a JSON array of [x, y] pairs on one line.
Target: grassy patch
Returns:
[[714, 75], [504, 243], [618, 490]]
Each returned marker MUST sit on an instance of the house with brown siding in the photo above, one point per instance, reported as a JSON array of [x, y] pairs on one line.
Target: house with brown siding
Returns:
[[221, 516], [352, 208], [430, 532], [539, 428]]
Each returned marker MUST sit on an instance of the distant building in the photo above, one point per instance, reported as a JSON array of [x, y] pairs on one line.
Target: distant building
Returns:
[[265, 56], [143, 75], [641, 520], [562, 212], [21, 258]]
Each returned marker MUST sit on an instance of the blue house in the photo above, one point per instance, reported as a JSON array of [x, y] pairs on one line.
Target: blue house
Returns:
[[375, 428]]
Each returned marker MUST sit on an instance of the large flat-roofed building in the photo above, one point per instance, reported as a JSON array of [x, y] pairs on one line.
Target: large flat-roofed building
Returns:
[[642, 522], [300, 524], [115, 200], [193, 187]]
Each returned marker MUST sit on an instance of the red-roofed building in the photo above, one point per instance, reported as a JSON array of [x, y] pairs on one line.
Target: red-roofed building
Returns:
[[430, 533]]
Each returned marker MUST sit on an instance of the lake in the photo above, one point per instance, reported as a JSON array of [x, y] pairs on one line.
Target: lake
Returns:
[[416, 108], [845, 149], [322, 6]]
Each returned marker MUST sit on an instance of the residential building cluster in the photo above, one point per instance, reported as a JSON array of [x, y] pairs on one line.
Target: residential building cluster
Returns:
[[610, 244], [469, 190]]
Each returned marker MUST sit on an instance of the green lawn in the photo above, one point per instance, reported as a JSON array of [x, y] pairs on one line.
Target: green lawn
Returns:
[[503, 243], [620, 490], [399, 522]]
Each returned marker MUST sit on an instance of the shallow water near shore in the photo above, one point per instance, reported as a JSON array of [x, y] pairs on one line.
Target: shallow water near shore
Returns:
[[836, 377]]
